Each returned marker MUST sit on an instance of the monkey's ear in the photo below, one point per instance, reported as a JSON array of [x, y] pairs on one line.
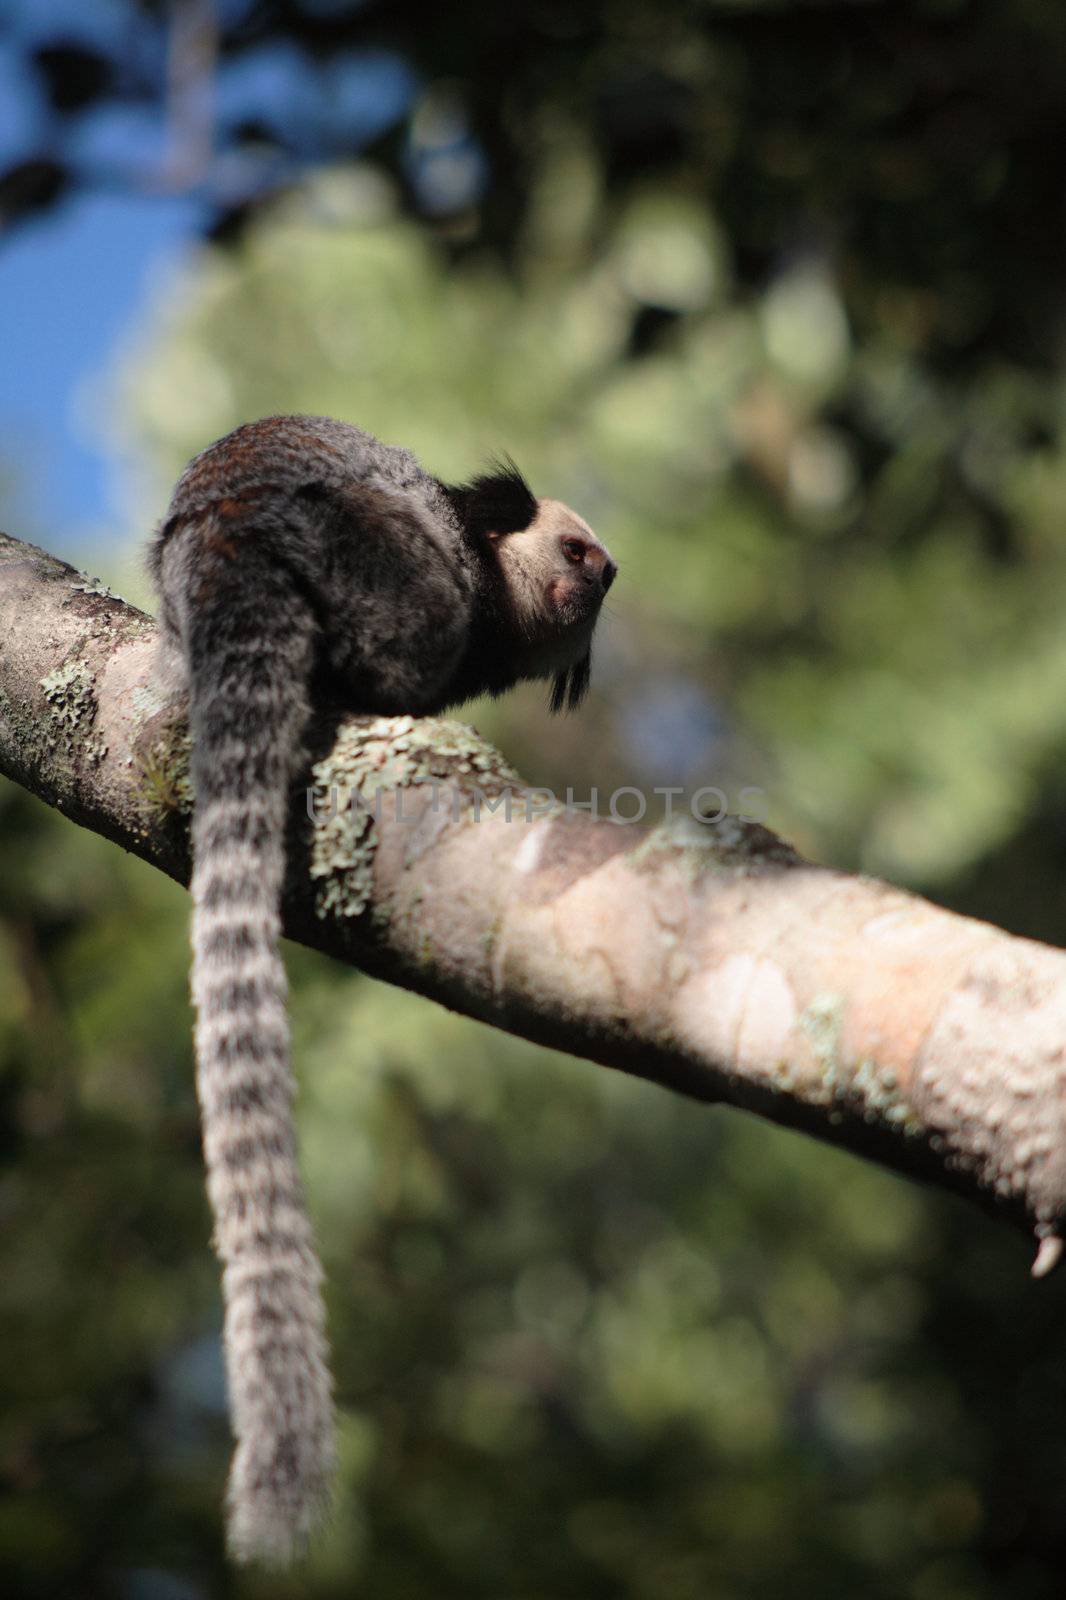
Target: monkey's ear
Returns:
[[569, 688], [499, 501]]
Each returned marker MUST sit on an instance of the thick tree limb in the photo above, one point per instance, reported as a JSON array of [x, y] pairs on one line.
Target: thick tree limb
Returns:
[[708, 958]]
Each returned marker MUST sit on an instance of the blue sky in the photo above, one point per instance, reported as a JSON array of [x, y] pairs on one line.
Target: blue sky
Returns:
[[75, 281], [70, 282], [71, 286]]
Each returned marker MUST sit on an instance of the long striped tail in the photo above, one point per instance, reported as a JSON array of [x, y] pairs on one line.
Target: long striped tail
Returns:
[[249, 671]]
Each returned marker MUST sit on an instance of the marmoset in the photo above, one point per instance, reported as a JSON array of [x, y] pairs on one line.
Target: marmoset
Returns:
[[300, 553]]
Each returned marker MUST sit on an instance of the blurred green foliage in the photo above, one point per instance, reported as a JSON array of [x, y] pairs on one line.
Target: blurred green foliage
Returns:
[[776, 305]]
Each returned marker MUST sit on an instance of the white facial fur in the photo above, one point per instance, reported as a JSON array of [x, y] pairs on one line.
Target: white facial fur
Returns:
[[553, 596]]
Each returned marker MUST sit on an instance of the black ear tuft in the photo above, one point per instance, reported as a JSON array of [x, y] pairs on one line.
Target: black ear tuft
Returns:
[[570, 688], [498, 501]]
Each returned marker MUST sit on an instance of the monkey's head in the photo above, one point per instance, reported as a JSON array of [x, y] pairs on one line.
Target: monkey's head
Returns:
[[552, 575]]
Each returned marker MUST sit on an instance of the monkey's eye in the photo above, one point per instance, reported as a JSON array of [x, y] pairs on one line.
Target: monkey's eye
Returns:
[[574, 549]]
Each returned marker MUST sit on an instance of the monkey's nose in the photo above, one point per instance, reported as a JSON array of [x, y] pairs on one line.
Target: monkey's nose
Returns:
[[608, 575]]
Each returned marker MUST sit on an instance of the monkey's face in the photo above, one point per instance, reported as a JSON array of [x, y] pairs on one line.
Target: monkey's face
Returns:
[[556, 573]]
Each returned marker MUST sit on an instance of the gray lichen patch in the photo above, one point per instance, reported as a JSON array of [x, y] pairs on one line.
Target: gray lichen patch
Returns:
[[90, 585], [362, 779], [163, 770], [679, 839], [343, 844], [821, 1021], [699, 846], [71, 697], [995, 1101], [148, 700], [866, 1091], [877, 1092]]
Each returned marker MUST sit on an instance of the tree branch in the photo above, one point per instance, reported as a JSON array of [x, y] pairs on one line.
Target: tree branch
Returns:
[[709, 958]]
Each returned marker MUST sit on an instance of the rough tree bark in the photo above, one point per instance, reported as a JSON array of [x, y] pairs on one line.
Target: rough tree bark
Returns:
[[709, 958]]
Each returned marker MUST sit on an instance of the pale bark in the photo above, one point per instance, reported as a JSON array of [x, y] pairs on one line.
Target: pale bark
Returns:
[[711, 959]]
